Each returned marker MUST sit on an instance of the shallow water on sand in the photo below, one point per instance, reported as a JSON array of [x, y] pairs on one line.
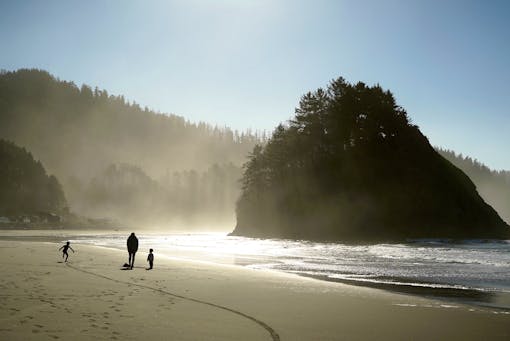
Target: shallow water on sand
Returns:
[[474, 270], [443, 267]]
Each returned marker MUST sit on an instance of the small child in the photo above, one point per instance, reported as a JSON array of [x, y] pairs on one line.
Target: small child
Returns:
[[150, 259], [64, 251]]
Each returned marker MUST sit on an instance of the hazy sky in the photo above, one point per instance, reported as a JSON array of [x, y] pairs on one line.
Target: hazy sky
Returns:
[[245, 63]]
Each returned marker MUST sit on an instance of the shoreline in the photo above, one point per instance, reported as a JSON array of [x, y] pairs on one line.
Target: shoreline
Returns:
[[498, 300], [93, 298]]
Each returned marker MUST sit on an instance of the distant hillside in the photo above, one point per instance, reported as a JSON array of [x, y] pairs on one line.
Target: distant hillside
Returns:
[[351, 166], [26, 189], [493, 186], [79, 132], [180, 199]]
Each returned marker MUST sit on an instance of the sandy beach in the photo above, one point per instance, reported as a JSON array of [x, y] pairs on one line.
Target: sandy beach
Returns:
[[91, 297]]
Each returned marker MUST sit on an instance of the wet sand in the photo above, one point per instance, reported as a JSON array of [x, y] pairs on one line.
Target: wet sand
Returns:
[[91, 297]]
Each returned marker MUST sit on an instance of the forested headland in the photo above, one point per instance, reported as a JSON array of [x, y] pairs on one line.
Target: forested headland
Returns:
[[119, 161], [352, 166], [27, 192]]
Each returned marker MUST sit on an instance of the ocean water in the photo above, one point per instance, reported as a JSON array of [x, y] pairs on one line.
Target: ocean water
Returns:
[[476, 270]]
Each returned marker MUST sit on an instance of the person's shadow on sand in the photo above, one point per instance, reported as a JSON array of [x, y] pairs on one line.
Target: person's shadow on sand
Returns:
[[127, 267]]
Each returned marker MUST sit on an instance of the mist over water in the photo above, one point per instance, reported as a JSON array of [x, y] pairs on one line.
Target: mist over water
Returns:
[[470, 265]]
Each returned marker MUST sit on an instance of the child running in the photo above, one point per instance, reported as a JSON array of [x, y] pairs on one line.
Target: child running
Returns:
[[150, 259], [64, 251]]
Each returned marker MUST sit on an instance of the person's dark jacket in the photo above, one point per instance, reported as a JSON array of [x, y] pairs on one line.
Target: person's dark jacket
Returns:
[[132, 244]]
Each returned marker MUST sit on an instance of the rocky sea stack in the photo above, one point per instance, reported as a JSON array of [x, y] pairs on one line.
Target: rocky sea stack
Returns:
[[351, 166]]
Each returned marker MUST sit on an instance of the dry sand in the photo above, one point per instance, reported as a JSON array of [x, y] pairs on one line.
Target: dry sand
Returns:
[[92, 298]]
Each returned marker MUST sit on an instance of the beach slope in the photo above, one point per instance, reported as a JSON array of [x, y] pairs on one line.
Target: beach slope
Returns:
[[91, 297]]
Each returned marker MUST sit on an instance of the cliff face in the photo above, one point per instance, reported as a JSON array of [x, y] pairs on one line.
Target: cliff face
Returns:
[[350, 166]]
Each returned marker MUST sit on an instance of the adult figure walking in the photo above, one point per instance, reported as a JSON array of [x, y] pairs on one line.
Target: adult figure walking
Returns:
[[132, 246]]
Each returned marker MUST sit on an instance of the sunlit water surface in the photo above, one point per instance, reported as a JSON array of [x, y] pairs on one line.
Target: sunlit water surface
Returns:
[[432, 264]]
